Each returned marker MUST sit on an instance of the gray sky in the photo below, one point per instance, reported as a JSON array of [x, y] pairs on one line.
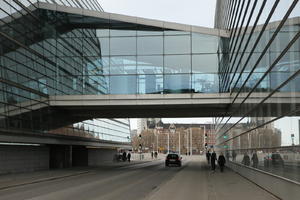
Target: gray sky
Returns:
[[194, 12]]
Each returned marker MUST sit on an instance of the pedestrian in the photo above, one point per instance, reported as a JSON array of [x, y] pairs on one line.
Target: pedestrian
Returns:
[[124, 156], [233, 156], [128, 156], [213, 159], [255, 160], [155, 154], [221, 162], [246, 160], [208, 155], [152, 154]]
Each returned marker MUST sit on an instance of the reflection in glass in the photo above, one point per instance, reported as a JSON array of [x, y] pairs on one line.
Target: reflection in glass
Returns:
[[123, 65], [205, 83], [123, 46], [204, 43], [180, 44], [177, 83], [150, 84], [150, 64], [178, 64], [123, 84], [205, 63], [150, 45]]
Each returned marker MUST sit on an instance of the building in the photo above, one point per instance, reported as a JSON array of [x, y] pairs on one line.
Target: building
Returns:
[[67, 64], [36, 62], [189, 137], [146, 123]]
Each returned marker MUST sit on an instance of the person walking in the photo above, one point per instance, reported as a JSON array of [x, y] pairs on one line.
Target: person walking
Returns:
[[246, 160], [255, 160], [124, 156], [213, 159], [152, 154], [128, 156], [208, 155], [221, 162]]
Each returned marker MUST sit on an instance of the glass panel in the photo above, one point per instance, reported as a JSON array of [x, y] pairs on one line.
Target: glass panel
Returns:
[[123, 65], [123, 84], [177, 44], [205, 83], [178, 64], [150, 45], [177, 83], [205, 63], [104, 46], [123, 46], [150, 84], [204, 43], [150, 65]]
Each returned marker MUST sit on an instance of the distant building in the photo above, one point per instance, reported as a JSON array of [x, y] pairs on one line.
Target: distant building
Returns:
[[190, 136]]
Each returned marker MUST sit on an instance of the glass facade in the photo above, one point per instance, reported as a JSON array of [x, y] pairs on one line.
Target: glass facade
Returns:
[[45, 53], [261, 73]]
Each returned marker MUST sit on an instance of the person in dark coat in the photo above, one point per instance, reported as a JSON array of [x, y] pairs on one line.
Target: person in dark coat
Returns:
[[246, 160], [124, 156], [255, 160], [128, 156], [208, 156], [221, 162], [213, 159], [233, 156]]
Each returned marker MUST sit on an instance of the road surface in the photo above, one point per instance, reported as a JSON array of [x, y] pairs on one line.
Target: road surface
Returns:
[[146, 181]]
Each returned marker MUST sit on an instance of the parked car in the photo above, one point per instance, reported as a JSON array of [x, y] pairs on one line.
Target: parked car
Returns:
[[274, 160], [173, 159]]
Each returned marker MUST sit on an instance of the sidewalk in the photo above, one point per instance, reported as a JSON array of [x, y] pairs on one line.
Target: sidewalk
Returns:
[[14, 180], [196, 181]]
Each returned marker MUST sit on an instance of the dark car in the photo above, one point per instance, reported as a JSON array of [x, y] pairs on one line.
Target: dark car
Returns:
[[274, 160], [173, 159]]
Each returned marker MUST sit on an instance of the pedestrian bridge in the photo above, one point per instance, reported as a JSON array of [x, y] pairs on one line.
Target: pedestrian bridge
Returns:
[[162, 105]]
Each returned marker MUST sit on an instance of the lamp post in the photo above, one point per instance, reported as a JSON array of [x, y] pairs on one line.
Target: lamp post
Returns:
[[205, 136], [158, 127], [172, 129]]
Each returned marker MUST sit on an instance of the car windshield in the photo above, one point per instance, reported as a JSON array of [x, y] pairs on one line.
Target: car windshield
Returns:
[[172, 156]]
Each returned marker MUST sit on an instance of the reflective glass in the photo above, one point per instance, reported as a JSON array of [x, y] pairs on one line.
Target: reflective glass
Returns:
[[177, 83], [104, 46], [205, 63], [177, 64], [123, 84], [150, 45], [205, 83], [150, 84], [204, 43], [179, 44], [123, 65], [123, 46], [150, 64]]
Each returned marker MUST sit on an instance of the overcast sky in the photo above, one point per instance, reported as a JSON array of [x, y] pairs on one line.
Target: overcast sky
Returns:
[[193, 12]]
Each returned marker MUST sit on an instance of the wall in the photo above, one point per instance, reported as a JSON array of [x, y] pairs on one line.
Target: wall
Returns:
[[100, 156], [15, 159], [280, 187]]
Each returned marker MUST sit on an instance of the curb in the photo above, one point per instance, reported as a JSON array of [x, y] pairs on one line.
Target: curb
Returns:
[[42, 180]]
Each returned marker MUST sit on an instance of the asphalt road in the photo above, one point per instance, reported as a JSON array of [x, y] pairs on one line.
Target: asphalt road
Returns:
[[146, 181], [130, 182]]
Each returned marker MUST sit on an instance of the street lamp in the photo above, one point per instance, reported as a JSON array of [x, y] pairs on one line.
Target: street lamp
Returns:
[[158, 127], [172, 129]]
